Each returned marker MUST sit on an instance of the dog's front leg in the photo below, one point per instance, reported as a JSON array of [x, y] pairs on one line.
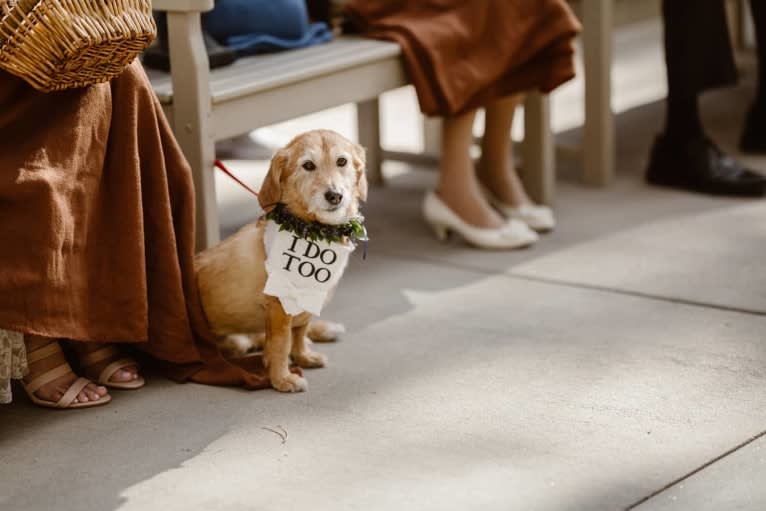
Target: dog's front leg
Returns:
[[277, 349], [302, 354]]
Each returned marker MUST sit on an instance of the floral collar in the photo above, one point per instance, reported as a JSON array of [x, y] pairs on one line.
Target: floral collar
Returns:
[[353, 230]]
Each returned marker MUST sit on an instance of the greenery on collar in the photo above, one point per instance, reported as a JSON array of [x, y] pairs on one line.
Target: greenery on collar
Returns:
[[353, 230]]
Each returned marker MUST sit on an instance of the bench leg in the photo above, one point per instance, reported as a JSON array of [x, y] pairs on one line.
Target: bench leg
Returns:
[[191, 118], [208, 224], [599, 150], [368, 125], [538, 155], [432, 136]]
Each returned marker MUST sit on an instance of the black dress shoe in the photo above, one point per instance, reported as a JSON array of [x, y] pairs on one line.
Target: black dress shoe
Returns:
[[699, 165], [754, 133]]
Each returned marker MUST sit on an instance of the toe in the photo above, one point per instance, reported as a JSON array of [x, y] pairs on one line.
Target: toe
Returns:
[[92, 394], [122, 376], [125, 374]]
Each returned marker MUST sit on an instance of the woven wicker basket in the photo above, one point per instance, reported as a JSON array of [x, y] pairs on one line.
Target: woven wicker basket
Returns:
[[63, 44]]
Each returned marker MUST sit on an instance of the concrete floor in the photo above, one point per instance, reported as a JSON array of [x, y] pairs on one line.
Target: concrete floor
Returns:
[[619, 364]]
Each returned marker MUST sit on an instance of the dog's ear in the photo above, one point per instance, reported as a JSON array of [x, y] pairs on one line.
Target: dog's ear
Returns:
[[360, 164], [271, 189]]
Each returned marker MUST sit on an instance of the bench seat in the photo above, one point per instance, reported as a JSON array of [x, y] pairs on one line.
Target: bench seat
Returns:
[[266, 89]]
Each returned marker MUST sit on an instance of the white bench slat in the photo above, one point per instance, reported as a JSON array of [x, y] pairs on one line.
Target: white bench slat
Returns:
[[183, 5], [251, 75], [301, 97]]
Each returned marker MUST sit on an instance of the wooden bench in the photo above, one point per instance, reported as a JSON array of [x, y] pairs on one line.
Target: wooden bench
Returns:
[[206, 106]]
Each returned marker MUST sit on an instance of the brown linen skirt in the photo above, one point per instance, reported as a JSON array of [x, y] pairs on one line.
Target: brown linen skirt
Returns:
[[97, 225], [462, 54]]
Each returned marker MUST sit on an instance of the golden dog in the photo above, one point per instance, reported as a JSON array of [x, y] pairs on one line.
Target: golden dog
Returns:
[[319, 177]]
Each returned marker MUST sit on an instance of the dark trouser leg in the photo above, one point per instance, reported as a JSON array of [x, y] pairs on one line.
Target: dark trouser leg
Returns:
[[758, 8], [682, 117], [698, 56], [754, 133]]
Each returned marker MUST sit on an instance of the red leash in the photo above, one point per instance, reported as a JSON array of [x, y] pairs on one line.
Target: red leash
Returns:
[[219, 164]]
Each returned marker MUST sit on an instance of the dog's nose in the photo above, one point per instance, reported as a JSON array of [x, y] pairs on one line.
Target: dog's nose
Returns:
[[333, 197]]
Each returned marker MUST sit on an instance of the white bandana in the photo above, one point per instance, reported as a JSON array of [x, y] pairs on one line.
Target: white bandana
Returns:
[[301, 272]]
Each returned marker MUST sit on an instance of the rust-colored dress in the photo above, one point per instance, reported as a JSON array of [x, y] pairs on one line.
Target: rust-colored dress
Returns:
[[462, 54], [97, 225]]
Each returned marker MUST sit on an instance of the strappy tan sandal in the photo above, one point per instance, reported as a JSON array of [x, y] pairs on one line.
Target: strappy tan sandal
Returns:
[[69, 399], [88, 361]]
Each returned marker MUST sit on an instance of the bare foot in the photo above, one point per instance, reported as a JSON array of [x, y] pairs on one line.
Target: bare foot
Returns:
[[55, 390]]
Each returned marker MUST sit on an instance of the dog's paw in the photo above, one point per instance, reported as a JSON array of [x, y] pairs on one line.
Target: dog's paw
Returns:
[[290, 383], [237, 346], [325, 331], [310, 359]]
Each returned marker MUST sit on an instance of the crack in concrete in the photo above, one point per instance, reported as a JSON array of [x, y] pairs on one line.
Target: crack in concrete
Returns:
[[682, 301], [696, 470]]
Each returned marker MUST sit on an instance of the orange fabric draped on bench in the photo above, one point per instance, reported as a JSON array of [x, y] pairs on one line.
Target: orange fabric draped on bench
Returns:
[[97, 229], [460, 55]]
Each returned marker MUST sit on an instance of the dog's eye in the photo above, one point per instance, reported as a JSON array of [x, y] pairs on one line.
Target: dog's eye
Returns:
[[342, 162], [309, 165]]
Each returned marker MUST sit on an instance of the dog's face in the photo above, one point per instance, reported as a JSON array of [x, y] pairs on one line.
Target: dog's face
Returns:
[[319, 176]]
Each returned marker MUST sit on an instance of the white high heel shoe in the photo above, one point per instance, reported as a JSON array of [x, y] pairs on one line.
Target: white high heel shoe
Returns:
[[539, 218], [514, 234]]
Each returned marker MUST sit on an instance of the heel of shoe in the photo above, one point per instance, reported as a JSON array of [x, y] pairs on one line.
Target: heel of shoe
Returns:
[[441, 231]]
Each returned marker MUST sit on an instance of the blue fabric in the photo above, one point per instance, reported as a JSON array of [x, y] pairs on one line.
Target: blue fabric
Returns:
[[257, 43], [254, 26]]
